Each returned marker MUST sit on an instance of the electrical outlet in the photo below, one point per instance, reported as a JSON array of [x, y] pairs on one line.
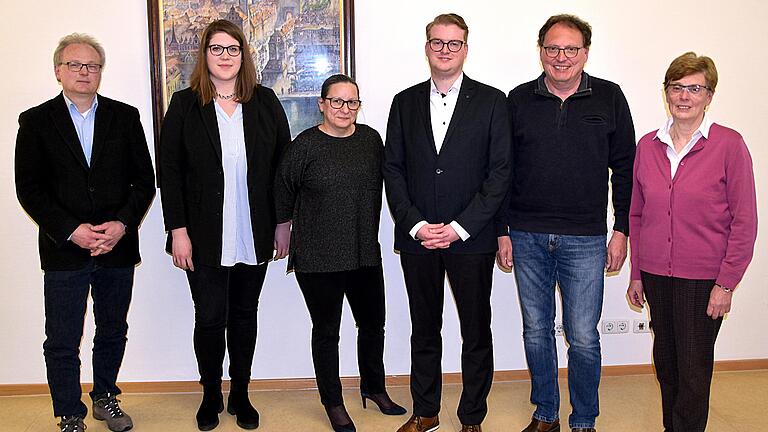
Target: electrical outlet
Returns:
[[641, 326], [558, 328], [615, 326], [622, 326], [609, 327]]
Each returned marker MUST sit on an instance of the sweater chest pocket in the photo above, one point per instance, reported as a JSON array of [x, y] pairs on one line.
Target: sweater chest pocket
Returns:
[[594, 120]]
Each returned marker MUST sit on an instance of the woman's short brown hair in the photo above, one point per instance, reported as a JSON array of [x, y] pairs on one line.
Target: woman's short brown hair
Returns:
[[449, 19], [246, 77], [689, 63]]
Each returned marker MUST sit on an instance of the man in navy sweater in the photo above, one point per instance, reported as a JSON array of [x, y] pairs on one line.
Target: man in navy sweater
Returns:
[[569, 130]]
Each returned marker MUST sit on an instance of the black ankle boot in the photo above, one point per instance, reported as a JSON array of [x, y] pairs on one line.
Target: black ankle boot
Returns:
[[208, 413], [339, 418], [240, 406]]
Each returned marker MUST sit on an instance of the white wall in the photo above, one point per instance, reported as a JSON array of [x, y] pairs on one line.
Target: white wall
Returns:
[[632, 45]]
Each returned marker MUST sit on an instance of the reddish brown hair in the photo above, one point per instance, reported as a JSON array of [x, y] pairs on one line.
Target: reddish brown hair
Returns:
[[246, 77], [689, 63]]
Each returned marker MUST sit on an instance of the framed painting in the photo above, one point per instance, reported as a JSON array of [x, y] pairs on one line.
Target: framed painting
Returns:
[[295, 45]]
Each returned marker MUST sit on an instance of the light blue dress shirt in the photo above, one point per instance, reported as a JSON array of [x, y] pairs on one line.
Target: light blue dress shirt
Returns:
[[84, 123], [237, 233]]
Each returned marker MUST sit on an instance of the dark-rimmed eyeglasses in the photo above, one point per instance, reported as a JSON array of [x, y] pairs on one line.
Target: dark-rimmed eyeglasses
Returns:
[[337, 103], [554, 51], [217, 50], [77, 66], [694, 89], [437, 45]]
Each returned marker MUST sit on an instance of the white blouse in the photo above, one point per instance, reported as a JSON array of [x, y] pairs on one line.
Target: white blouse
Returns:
[[237, 234]]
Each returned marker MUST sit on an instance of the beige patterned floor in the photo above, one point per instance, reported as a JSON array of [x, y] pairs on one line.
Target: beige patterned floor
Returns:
[[628, 403]]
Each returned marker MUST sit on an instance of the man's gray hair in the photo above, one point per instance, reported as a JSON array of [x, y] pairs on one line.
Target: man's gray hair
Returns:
[[78, 38]]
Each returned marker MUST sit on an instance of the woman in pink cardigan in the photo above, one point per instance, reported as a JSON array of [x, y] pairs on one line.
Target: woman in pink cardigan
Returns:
[[693, 224]]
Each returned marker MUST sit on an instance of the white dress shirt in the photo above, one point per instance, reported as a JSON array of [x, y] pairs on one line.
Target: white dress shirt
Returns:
[[674, 157], [237, 233], [441, 107]]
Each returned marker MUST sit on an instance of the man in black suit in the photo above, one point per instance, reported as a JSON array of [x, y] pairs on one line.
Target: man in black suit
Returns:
[[446, 170], [84, 175]]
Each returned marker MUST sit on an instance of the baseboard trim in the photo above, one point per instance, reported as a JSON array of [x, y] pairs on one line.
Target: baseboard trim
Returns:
[[352, 382]]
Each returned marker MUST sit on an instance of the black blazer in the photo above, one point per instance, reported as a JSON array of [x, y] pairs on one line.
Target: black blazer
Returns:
[[59, 191], [192, 174], [465, 182]]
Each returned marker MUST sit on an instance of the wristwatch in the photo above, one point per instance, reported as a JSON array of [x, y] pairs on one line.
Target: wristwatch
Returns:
[[728, 290]]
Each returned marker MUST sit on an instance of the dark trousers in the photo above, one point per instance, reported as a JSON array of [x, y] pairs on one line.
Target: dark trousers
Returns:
[[470, 279], [683, 348], [226, 301], [324, 294], [66, 296]]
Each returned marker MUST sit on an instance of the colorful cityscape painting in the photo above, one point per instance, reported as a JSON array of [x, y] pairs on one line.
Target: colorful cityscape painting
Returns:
[[295, 45]]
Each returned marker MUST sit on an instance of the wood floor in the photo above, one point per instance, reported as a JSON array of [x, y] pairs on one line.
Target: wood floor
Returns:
[[627, 404]]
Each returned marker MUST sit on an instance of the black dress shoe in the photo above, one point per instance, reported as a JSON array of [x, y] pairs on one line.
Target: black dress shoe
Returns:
[[339, 418], [540, 426], [385, 404], [240, 406], [208, 414]]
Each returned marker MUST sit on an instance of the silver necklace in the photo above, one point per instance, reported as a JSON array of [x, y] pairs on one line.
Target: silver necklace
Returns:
[[225, 97]]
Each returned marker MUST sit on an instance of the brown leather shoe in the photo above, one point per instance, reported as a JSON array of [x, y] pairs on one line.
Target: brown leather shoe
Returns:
[[583, 430], [540, 426], [471, 428], [420, 424]]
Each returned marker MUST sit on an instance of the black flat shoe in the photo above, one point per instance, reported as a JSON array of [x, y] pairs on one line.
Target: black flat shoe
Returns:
[[339, 418], [240, 406], [208, 414], [385, 404]]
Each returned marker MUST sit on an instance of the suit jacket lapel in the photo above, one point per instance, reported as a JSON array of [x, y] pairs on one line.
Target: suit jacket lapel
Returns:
[[101, 126], [425, 112], [208, 111], [466, 93], [63, 123]]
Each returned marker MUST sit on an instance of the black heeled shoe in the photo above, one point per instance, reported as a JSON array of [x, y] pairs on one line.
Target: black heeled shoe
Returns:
[[208, 414], [239, 405], [339, 418], [385, 404]]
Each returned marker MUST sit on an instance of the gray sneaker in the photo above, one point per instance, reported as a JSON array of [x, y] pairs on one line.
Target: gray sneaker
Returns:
[[72, 424], [107, 408]]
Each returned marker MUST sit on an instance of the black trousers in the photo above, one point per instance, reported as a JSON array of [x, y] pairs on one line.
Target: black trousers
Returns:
[[683, 348], [324, 294], [66, 297], [226, 301], [470, 279]]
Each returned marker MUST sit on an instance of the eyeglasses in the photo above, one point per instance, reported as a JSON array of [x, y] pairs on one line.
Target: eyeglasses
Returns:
[[217, 50], [437, 45], [693, 89], [554, 51], [337, 103], [77, 66]]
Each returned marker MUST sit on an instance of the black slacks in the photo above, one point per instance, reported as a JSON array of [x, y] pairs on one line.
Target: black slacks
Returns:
[[226, 302], [470, 278], [683, 348], [324, 294]]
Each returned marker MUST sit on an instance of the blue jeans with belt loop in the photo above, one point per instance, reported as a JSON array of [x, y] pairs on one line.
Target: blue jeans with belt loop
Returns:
[[577, 265]]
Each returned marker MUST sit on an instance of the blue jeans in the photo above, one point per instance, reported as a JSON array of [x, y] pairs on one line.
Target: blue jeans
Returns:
[[577, 265], [66, 295]]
